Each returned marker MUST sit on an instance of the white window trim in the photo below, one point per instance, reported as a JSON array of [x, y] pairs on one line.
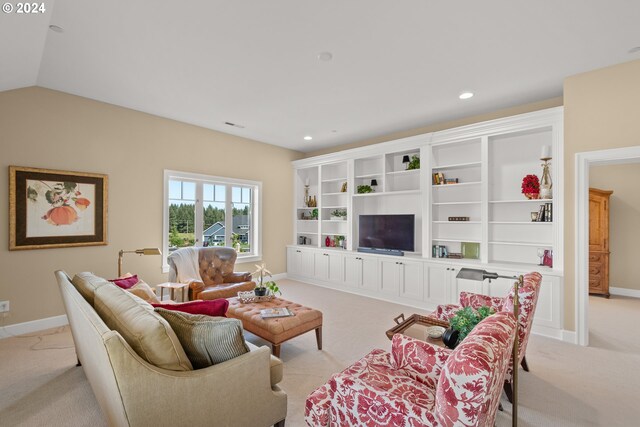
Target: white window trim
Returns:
[[256, 219]]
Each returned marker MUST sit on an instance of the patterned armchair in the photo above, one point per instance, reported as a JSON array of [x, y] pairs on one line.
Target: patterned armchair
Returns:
[[528, 297], [419, 384]]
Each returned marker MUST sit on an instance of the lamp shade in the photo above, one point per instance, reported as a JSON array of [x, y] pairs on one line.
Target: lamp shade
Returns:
[[374, 182], [405, 159], [149, 251]]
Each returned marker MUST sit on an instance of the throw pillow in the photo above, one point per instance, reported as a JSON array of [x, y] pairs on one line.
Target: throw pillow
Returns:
[[144, 330], [126, 282], [144, 291], [216, 307], [206, 340]]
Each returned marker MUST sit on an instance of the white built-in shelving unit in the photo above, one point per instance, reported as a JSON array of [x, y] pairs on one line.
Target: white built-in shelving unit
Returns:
[[489, 161]]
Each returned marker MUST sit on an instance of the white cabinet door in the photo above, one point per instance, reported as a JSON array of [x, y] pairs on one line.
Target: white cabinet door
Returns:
[[352, 271], [294, 257], [336, 268], [389, 277], [437, 284], [411, 279], [370, 274], [463, 285], [321, 265], [307, 267]]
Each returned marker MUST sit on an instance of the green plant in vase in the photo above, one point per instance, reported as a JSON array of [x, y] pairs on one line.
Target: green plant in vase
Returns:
[[363, 189], [414, 163], [466, 319]]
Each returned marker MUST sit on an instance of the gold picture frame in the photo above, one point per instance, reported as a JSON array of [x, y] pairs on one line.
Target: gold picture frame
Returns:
[[55, 209]]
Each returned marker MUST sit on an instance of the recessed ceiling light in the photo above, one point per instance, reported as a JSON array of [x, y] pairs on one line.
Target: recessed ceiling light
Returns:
[[466, 95], [308, 138], [56, 28], [634, 49], [325, 56]]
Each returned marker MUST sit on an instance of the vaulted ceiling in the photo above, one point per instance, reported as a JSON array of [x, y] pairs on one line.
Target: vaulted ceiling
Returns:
[[394, 64]]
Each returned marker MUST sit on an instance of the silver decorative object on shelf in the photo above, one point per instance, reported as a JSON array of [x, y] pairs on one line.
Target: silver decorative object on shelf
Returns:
[[545, 181]]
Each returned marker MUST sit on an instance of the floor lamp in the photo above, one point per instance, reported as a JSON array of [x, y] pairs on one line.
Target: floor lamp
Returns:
[[480, 276], [144, 251]]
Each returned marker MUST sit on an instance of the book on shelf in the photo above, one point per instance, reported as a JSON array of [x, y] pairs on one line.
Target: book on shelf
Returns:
[[451, 181], [438, 178], [541, 213], [545, 213], [270, 313], [458, 218]]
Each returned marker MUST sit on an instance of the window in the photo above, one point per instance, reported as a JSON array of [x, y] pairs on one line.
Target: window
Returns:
[[203, 210]]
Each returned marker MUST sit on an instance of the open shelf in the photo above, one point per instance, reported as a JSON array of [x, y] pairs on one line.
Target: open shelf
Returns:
[[455, 240], [404, 172], [456, 222], [457, 184], [457, 166], [456, 203], [334, 179], [522, 222], [538, 244], [334, 207], [539, 201], [335, 194]]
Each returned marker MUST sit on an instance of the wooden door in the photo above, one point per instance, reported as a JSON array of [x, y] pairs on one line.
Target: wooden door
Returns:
[[599, 241]]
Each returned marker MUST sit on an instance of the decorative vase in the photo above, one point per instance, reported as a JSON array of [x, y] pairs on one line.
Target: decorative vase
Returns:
[[450, 338], [532, 196], [327, 242], [260, 292], [545, 182]]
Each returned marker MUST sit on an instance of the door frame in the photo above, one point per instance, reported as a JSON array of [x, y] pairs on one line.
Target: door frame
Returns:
[[583, 161]]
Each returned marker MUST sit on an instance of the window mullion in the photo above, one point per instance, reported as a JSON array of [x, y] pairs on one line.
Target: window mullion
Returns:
[[199, 215], [228, 216]]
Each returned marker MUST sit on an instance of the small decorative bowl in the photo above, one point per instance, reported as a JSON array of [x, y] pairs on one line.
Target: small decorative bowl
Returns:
[[435, 332]]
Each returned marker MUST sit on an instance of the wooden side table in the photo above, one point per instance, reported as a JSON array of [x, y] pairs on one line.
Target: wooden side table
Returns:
[[172, 290]]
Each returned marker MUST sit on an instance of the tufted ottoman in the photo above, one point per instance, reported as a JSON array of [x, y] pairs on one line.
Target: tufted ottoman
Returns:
[[280, 329]]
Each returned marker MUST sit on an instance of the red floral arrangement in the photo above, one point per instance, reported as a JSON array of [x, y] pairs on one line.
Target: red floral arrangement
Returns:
[[531, 186]]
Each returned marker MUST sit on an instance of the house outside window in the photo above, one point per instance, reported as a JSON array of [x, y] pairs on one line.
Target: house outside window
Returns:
[[202, 210]]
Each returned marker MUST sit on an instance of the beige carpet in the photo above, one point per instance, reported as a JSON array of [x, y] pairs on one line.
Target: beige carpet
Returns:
[[567, 386]]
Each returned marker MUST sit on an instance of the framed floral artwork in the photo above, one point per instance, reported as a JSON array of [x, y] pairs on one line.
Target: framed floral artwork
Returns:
[[53, 209]]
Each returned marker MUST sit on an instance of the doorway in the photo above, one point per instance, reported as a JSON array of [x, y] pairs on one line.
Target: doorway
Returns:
[[583, 163]]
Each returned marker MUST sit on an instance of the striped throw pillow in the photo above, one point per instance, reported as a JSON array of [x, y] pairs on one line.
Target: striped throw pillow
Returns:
[[207, 340]]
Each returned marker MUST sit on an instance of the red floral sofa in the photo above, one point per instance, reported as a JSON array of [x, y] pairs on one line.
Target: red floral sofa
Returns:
[[528, 297], [419, 384]]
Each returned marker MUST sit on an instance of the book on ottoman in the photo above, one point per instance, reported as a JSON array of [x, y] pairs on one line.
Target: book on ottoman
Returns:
[[268, 313]]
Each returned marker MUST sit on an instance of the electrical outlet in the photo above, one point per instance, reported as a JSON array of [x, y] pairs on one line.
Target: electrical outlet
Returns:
[[4, 306]]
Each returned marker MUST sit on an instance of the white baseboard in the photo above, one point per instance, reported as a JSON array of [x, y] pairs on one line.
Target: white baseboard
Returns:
[[33, 326], [279, 276], [569, 336], [624, 292]]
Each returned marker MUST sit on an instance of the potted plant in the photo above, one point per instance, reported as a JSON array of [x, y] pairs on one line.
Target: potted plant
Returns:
[[363, 189], [414, 163], [531, 187], [339, 214], [462, 323], [262, 286]]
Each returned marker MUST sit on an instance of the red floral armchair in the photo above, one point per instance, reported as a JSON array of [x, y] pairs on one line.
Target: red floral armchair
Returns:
[[419, 384], [528, 298]]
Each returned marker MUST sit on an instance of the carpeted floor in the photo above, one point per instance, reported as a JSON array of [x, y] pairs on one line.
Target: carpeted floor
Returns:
[[567, 386]]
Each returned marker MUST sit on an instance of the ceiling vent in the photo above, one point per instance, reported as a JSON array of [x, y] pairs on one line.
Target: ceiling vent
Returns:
[[234, 125]]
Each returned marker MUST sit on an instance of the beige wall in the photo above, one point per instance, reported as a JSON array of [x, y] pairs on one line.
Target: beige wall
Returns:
[[600, 112], [521, 109], [624, 217], [49, 129]]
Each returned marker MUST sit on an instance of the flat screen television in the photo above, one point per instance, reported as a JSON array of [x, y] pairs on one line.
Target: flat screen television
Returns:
[[395, 232]]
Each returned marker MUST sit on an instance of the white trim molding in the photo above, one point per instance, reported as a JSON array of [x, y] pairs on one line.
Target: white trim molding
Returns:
[[583, 161], [33, 326], [624, 292]]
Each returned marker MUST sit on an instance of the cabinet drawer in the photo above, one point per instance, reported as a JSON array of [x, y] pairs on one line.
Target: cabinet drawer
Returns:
[[595, 257]]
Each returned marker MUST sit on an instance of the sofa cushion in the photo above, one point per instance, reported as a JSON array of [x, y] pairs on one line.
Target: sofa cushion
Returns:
[[216, 307], [143, 329], [86, 283], [207, 340], [144, 291]]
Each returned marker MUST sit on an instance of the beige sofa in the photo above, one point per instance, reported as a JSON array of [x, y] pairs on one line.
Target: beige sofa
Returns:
[[132, 392]]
